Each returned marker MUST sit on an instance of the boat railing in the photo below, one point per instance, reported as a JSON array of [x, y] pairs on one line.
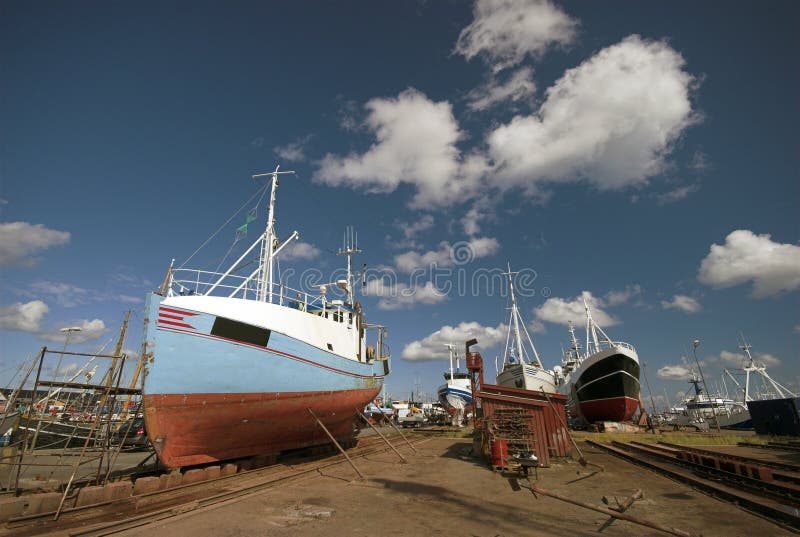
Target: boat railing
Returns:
[[208, 283], [609, 344]]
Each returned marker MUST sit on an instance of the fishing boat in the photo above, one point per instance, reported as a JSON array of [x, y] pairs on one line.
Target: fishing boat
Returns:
[[714, 410], [455, 394], [734, 413], [241, 365], [602, 384], [522, 368]]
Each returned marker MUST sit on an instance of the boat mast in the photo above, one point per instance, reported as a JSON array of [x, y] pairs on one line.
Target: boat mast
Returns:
[[266, 259], [590, 329], [348, 249], [781, 390], [513, 321], [451, 347], [575, 347]]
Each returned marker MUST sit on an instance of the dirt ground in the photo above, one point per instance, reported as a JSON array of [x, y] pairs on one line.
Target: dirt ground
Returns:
[[443, 490]]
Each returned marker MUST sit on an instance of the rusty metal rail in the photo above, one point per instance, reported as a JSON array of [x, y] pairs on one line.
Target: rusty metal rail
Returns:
[[792, 477], [749, 477], [113, 516], [777, 511], [778, 446], [752, 460]]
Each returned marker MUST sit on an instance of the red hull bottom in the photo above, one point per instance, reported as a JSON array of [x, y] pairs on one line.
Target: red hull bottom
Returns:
[[612, 409], [189, 429]]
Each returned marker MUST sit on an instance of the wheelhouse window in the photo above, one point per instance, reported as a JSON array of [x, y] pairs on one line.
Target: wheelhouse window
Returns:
[[245, 333]]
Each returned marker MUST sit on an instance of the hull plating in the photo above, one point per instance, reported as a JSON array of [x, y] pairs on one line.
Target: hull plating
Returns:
[[612, 409], [202, 428], [208, 398], [606, 385]]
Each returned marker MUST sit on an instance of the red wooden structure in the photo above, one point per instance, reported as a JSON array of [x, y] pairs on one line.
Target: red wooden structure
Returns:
[[535, 421]]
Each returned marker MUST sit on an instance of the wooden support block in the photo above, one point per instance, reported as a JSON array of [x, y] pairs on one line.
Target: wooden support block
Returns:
[[118, 490], [143, 485], [193, 476]]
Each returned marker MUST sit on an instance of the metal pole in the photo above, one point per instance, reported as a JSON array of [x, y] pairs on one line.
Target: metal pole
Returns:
[[381, 435], [644, 372], [390, 422], [24, 441], [335, 443], [581, 459], [695, 344], [610, 512]]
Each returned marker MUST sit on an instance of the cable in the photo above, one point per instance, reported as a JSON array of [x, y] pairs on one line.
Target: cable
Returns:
[[226, 223]]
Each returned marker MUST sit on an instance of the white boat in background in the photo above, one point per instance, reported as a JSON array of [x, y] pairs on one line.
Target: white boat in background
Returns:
[[729, 414], [456, 393], [603, 383], [732, 413], [521, 368]]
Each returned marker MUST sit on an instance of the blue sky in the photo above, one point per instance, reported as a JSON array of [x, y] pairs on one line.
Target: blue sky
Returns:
[[640, 155]]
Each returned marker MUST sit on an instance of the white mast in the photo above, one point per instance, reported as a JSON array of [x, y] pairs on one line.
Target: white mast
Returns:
[[349, 248], [266, 264], [574, 340], [590, 329], [781, 390], [514, 325], [451, 347]]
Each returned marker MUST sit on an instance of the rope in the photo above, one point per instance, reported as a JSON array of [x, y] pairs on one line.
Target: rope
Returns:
[[263, 188]]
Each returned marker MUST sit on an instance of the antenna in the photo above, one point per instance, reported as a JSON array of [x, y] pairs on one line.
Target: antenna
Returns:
[[348, 249]]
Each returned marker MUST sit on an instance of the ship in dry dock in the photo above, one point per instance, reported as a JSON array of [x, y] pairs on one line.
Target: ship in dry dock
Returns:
[[602, 383], [522, 368], [240, 365]]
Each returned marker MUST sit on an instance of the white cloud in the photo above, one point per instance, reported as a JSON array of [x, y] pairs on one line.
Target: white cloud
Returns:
[[610, 121], [65, 294], [518, 88], [772, 267], [562, 311], [737, 359], [395, 296], [294, 151], [90, 330], [458, 253], [615, 298], [537, 327], [433, 347], [25, 317], [299, 250], [699, 162], [674, 372], [505, 31], [683, 303], [482, 209], [416, 144], [20, 241], [411, 229], [676, 194]]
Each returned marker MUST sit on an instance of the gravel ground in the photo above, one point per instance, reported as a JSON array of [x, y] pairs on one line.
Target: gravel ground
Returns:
[[443, 490]]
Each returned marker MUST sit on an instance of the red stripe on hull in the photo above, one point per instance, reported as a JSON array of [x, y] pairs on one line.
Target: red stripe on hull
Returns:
[[189, 429], [179, 312], [613, 409], [173, 323]]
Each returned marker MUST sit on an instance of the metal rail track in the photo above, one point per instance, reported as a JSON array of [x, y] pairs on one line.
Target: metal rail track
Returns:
[[777, 446], [784, 492], [778, 512], [140, 510], [784, 466]]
